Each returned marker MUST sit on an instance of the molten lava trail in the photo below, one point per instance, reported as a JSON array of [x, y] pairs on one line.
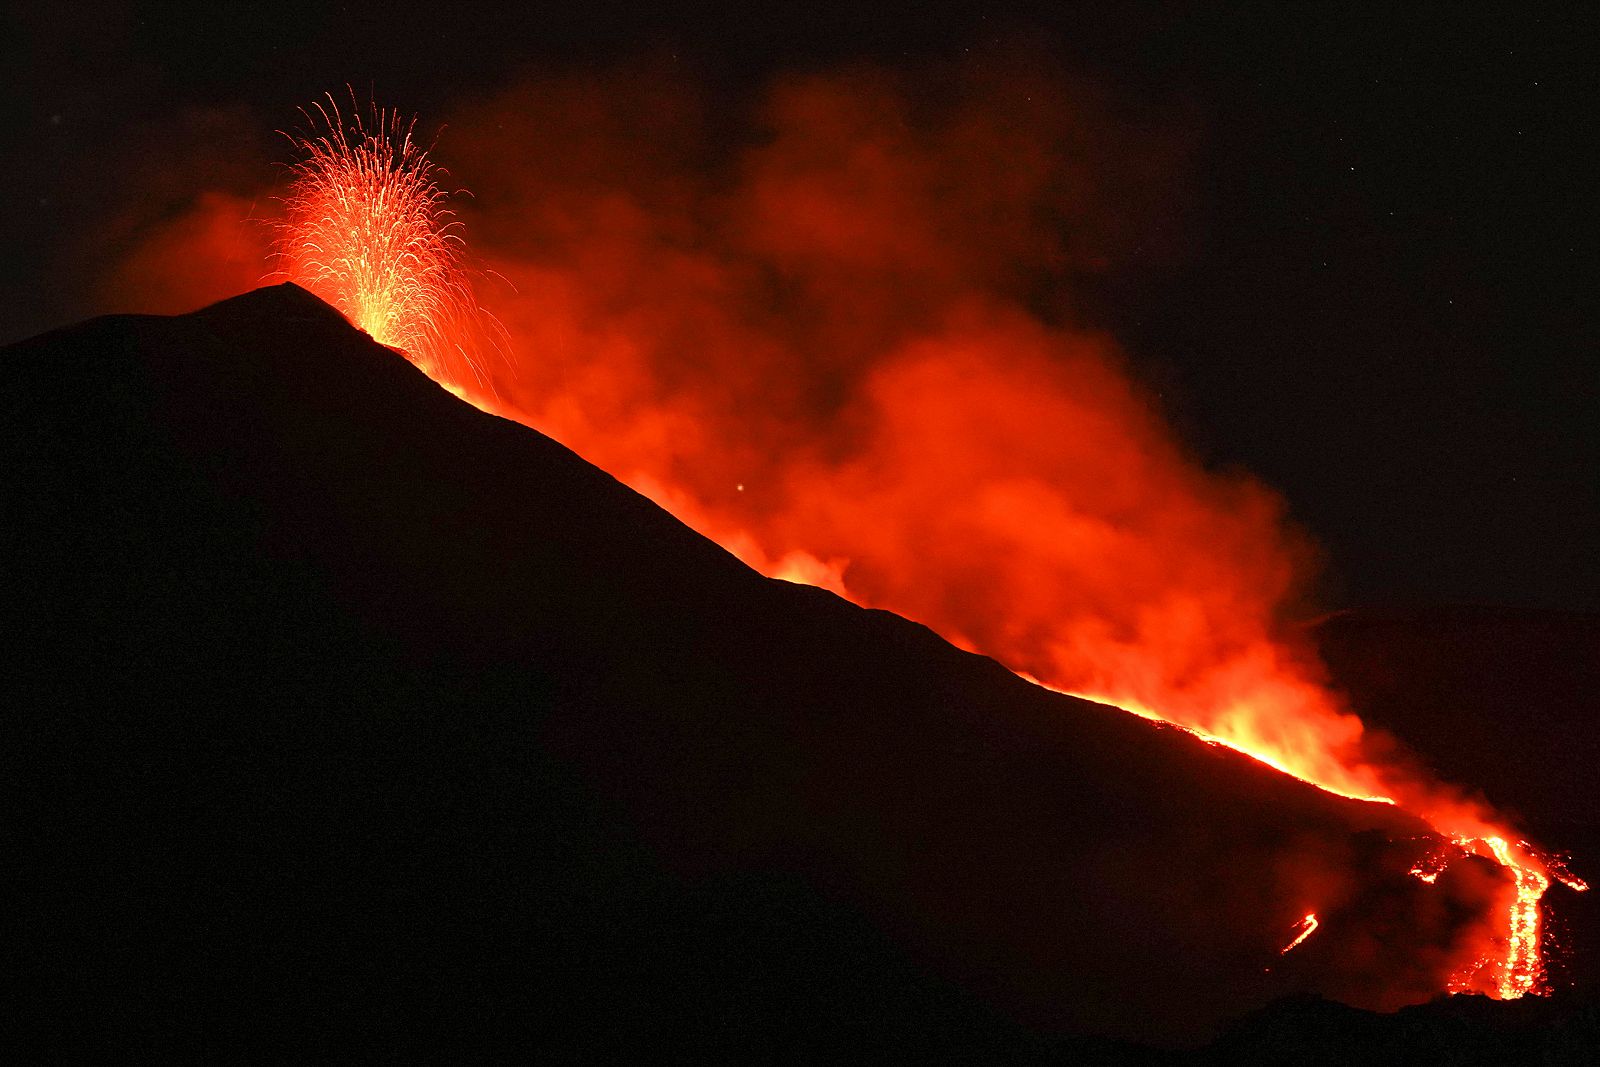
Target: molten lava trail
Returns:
[[1307, 927], [1521, 970], [1508, 972]]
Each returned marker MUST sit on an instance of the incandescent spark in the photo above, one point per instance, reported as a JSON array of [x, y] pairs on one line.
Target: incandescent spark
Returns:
[[366, 228]]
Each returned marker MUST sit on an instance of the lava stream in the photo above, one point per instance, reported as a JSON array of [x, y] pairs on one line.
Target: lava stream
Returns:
[[365, 227], [1522, 969], [1307, 926]]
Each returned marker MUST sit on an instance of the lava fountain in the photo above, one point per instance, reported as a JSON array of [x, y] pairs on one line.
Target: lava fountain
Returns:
[[365, 226]]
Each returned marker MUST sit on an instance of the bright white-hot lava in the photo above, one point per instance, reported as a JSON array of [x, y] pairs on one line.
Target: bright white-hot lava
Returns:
[[1305, 929]]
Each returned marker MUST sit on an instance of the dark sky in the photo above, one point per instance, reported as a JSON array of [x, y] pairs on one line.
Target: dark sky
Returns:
[[1381, 302]]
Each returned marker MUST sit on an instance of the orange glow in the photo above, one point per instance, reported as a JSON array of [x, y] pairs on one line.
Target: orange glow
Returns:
[[1259, 751], [1306, 928], [845, 349]]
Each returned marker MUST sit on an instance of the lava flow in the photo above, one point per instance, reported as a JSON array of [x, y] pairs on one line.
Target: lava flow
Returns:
[[1305, 928], [835, 347]]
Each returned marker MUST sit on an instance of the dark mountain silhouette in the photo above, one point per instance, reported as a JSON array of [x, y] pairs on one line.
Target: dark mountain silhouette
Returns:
[[1561, 1029], [337, 710]]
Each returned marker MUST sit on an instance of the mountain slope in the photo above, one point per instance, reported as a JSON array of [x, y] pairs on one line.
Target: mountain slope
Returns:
[[338, 707]]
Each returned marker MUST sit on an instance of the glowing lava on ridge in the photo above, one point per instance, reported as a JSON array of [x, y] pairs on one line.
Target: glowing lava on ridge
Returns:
[[1305, 929]]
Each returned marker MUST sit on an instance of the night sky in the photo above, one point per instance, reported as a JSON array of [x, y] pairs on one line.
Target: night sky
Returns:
[[1375, 291]]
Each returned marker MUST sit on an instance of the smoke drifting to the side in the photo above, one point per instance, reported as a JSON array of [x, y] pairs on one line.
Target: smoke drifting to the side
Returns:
[[832, 328], [844, 346]]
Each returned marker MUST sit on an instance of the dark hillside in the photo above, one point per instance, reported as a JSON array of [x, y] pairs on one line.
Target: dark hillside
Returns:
[[336, 708]]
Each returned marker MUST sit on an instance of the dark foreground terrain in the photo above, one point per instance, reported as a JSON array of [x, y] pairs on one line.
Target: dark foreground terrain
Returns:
[[340, 713]]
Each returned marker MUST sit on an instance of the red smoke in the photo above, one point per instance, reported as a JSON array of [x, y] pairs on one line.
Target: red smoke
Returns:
[[209, 252], [836, 333], [844, 348]]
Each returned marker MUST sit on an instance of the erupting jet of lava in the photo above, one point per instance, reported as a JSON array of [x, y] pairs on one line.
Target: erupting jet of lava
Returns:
[[366, 228]]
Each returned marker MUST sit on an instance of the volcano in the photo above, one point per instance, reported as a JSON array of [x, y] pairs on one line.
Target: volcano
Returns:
[[338, 709]]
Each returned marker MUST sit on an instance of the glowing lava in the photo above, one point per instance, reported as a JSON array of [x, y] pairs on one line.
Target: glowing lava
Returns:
[[1521, 969], [366, 228], [1351, 786], [1305, 928]]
